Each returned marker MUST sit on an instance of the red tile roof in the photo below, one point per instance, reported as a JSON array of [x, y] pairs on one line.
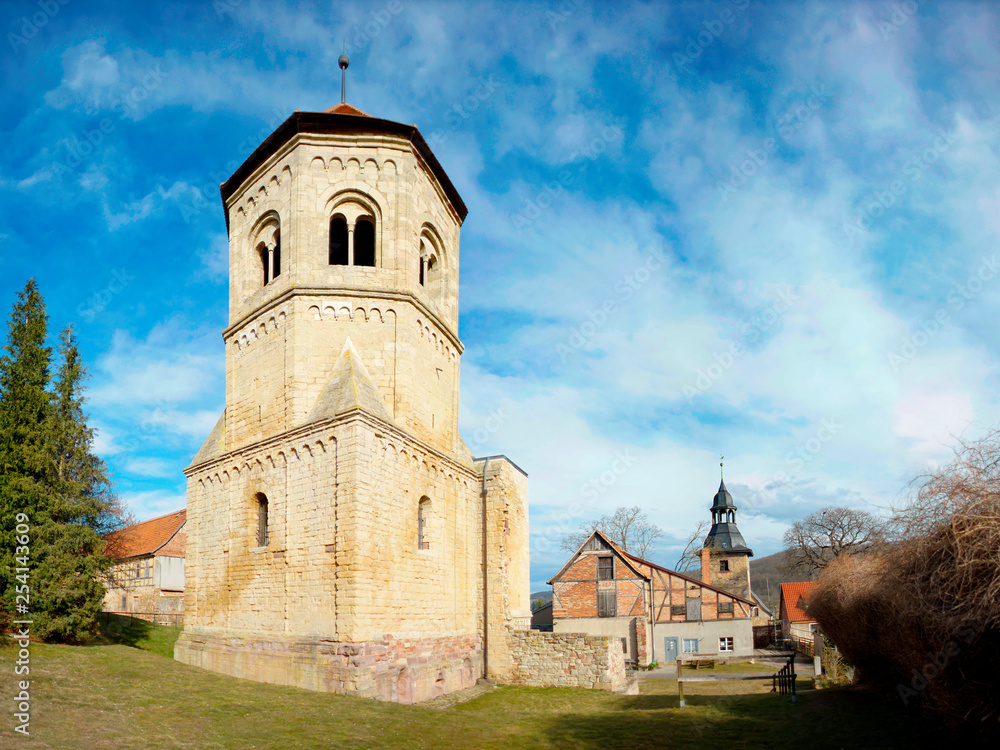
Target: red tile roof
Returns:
[[146, 537], [791, 601], [346, 109]]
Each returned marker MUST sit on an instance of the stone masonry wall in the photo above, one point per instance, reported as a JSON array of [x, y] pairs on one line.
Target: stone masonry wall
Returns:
[[566, 660]]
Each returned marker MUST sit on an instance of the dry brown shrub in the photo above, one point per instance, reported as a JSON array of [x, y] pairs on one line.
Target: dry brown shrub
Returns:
[[921, 617]]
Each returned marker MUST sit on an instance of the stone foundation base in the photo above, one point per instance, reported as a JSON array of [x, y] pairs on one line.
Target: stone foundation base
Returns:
[[401, 670]]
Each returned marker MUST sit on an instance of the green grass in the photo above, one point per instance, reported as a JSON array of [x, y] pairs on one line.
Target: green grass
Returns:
[[128, 631], [740, 666], [118, 696]]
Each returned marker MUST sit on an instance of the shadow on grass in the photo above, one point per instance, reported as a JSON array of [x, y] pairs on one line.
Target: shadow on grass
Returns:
[[136, 633], [126, 631], [819, 719]]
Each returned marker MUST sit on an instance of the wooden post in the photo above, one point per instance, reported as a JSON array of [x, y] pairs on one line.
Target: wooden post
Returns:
[[680, 685]]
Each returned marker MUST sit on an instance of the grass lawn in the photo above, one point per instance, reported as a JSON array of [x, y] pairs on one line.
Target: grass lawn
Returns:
[[112, 695], [740, 666]]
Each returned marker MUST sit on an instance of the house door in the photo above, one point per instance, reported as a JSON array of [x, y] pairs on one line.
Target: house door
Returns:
[[669, 650]]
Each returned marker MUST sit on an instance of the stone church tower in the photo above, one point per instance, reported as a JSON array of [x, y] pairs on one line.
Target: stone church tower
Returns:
[[341, 536], [729, 555]]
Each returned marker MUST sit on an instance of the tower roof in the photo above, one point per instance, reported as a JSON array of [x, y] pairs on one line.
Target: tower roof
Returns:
[[343, 119], [725, 534], [722, 498], [343, 108]]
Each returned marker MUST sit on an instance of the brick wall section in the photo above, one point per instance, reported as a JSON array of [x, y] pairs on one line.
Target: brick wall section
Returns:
[[641, 638], [566, 660]]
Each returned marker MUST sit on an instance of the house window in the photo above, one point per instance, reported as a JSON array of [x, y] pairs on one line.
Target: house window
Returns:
[[677, 610], [725, 644], [723, 566], [338, 241], [262, 525], [690, 645], [607, 604], [725, 608], [605, 568], [124, 602], [423, 517]]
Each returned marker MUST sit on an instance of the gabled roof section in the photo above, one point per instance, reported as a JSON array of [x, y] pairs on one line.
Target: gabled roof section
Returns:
[[760, 603], [146, 537], [343, 108], [622, 555], [215, 445], [792, 595], [688, 578], [350, 387]]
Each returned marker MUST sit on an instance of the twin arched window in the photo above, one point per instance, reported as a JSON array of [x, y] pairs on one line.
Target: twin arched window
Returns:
[[352, 245]]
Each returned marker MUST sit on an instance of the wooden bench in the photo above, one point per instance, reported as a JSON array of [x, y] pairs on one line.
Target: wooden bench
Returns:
[[699, 663]]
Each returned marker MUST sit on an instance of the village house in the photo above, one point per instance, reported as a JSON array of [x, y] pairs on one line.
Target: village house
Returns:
[[660, 614], [148, 574], [342, 536], [795, 622]]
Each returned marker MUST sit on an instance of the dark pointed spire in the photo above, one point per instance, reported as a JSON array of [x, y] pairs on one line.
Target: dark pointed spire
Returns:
[[724, 534]]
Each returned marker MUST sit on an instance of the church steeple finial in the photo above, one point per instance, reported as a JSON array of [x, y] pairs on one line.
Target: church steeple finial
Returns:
[[344, 61]]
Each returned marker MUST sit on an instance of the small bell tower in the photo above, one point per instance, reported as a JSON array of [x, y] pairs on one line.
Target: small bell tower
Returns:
[[728, 552]]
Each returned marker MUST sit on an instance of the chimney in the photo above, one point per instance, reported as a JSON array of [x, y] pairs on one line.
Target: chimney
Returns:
[[706, 566]]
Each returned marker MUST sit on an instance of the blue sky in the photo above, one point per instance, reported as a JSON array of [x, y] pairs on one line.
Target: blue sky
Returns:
[[768, 230]]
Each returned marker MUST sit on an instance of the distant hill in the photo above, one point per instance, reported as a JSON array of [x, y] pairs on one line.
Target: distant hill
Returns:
[[768, 573]]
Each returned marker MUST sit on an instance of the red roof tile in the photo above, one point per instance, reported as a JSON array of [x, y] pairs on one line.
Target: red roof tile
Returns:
[[346, 109], [146, 537], [791, 601]]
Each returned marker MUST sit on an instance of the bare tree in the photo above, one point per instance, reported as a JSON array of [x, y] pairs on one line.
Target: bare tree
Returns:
[[629, 528], [825, 535], [691, 554]]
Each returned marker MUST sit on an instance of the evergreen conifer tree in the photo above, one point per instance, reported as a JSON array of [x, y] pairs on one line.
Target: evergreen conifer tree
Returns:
[[80, 506], [24, 411]]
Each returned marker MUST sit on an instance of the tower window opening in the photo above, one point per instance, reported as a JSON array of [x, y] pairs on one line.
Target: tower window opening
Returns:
[[423, 516], [723, 566], [422, 262], [276, 255], [266, 263], [262, 526], [338, 241], [364, 243]]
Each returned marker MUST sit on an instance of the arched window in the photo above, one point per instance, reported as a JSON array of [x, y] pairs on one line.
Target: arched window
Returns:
[[364, 242], [266, 243], [338, 241], [430, 274], [265, 262], [423, 517], [262, 526], [276, 257]]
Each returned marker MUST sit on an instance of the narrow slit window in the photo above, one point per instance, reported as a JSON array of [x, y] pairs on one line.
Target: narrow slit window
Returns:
[[262, 526], [423, 514], [364, 243], [277, 256], [338, 241]]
